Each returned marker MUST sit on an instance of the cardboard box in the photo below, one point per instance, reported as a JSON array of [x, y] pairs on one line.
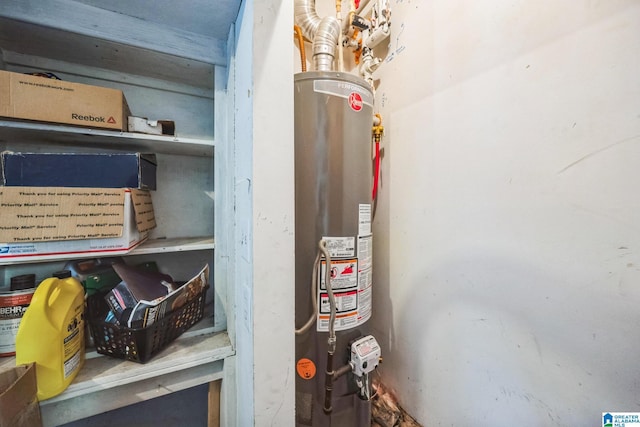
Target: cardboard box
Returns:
[[23, 96], [58, 222], [151, 127], [19, 405], [100, 170]]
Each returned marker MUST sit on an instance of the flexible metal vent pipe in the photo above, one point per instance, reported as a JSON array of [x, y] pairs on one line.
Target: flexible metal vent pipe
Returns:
[[324, 44], [307, 17], [323, 32]]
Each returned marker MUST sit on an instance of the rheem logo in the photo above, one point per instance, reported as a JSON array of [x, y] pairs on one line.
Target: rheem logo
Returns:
[[355, 101]]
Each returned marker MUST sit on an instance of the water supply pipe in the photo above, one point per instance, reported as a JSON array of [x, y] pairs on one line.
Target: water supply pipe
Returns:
[[303, 58]]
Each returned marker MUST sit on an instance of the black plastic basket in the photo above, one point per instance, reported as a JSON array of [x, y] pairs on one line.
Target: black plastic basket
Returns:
[[140, 344]]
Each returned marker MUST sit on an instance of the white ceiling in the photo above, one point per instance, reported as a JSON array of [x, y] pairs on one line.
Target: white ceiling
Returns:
[[211, 18]]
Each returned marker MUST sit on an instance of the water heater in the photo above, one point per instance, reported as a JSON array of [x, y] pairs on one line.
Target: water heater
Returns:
[[333, 181]]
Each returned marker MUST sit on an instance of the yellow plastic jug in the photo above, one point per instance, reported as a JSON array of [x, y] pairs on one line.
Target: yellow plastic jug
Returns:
[[51, 333]]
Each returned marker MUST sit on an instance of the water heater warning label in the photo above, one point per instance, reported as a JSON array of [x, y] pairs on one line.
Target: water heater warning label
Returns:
[[344, 274], [351, 281], [341, 247], [364, 219]]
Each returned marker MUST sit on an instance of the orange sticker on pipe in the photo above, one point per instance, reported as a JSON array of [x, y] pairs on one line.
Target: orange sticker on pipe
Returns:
[[306, 368]]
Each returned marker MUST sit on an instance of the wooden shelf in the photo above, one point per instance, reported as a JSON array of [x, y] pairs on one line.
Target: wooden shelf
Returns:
[[184, 73], [39, 133], [106, 383], [151, 246], [180, 244], [91, 36]]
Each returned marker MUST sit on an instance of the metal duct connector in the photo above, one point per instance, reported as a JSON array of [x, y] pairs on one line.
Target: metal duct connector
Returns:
[[324, 44], [323, 32]]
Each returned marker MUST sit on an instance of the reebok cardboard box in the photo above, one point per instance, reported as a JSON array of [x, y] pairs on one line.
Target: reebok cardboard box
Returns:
[[58, 222], [23, 96], [104, 170]]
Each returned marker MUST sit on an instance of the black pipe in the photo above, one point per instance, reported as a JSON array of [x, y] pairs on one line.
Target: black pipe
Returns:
[[328, 384], [340, 372], [330, 377]]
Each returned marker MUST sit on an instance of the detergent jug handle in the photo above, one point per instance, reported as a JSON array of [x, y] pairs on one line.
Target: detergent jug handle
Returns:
[[45, 289]]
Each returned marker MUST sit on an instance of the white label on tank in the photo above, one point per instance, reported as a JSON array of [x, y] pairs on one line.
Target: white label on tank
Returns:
[[364, 305], [352, 285], [341, 247], [364, 219], [344, 283], [365, 252], [365, 277]]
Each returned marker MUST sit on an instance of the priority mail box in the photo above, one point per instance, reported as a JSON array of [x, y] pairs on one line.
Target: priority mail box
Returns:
[[59, 222], [28, 97]]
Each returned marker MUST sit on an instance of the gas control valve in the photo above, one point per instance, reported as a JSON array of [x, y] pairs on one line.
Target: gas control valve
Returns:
[[365, 355]]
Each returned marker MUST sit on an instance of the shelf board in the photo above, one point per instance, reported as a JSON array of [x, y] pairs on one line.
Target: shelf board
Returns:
[[103, 372], [35, 132], [93, 36], [150, 246], [105, 383], [179, 244]]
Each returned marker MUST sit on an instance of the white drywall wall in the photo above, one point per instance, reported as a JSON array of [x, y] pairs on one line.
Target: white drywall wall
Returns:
[[264, 258], [273, 213], [507, 235]]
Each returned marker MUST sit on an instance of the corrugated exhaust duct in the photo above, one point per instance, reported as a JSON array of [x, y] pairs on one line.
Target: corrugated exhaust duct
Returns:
[[324, 32]]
